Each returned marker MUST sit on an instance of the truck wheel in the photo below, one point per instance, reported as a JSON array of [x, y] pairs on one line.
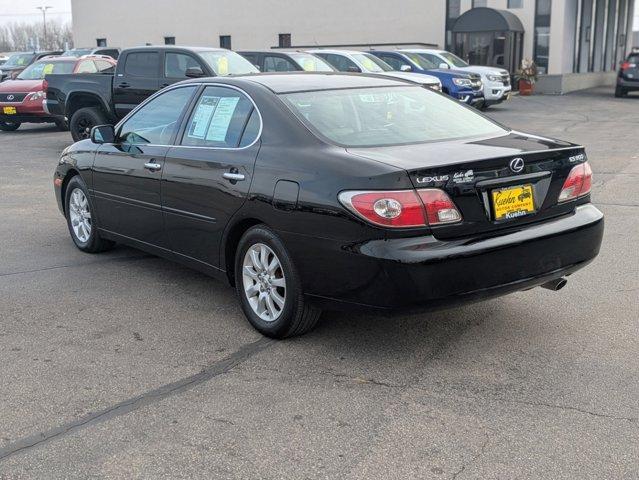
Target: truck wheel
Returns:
[[9, 126], [83, 120], [62, 125]]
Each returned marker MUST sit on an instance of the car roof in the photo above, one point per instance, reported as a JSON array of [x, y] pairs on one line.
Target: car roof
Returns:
[[290, 82], [336, 51], [177, 47], [58, 58]]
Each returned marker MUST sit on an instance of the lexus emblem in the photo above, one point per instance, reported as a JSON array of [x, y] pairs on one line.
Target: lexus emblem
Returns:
[[517, 165], [10, 97]]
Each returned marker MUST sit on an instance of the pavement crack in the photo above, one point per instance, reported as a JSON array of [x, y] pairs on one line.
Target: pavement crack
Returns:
[[135, 403], [574, 409], [73, 265]]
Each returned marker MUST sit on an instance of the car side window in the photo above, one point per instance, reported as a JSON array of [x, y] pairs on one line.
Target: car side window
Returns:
[[434, 60], [252, 129], [340, 62], [87, 66], [278, 64], [393, 61], [157, 121], [142, 64], [176, 64], [251, 57], [104, 66], [219, 119]]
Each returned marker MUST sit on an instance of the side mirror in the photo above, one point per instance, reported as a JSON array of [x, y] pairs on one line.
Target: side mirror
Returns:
[[354, 69], [444, 66], [194, 72], [103, 134], [406, 68]]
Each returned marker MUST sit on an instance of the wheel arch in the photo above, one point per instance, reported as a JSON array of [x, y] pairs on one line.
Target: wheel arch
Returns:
[[80, 100], [231, 240], [71, 173]]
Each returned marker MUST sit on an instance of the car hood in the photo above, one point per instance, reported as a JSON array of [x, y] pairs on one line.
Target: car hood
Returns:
[[447, 72], [413, 77], [484, 70], [20, 86], [437, 154]]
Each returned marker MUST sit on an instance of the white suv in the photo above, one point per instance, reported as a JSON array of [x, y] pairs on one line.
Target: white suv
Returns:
[[496, 81], [363, 62]]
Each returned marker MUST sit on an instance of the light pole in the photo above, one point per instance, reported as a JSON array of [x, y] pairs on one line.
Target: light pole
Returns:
[[44, 22]]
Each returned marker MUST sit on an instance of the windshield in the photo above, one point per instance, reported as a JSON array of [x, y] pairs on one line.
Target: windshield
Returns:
[[311, 63], [371, 63], [77, 52], [366, 117], [422, 61], [224, 62], [38, 70], [19, 60], [454, 60]]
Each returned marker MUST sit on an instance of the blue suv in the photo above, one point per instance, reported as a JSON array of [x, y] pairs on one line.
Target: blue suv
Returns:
[[463, 86]]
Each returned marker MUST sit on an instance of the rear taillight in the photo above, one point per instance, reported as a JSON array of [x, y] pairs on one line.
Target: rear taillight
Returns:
[[402, 208], [625, 66], [578, 183], [439, 207]]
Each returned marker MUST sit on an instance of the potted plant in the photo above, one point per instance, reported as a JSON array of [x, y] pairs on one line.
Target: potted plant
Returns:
[[526, 76]]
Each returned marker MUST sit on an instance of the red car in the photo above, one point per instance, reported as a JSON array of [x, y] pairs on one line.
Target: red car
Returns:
[[21, 100]]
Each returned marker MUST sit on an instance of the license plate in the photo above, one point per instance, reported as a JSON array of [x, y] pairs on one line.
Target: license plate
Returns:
[[513, 202], [9, 110]]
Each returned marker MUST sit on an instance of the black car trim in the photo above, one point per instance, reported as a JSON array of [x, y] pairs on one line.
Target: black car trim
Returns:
[[184, 213], [126, 200]]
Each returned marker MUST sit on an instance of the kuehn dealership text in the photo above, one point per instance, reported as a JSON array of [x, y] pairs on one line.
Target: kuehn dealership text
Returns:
[[584, 37]]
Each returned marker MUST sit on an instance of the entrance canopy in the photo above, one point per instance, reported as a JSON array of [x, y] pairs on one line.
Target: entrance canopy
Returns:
[[487, 20]]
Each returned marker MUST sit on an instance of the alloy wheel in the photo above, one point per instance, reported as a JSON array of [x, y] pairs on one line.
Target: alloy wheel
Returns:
[[80, 215], [264, 282]]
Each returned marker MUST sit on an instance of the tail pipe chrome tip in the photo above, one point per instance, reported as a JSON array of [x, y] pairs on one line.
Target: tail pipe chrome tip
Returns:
[[556, 285]]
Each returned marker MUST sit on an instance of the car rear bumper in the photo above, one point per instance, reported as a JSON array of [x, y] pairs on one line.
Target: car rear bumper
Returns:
[[425, 273], [628, 84], [27, 118]]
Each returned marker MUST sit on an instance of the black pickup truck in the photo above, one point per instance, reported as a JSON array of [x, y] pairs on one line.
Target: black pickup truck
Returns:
[[89, 100]]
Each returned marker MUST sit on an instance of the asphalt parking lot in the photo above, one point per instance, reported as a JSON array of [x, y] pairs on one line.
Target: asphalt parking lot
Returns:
[[124, 365]]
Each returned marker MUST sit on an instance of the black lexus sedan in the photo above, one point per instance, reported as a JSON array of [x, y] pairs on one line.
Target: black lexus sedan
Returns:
[[324, 191]]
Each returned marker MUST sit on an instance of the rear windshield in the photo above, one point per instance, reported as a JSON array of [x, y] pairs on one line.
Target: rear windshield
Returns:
[[387, 116], [77, 52], [634, 59], [38, 70]]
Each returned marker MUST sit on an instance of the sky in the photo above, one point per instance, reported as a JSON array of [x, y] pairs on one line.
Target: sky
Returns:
[[25, 10]]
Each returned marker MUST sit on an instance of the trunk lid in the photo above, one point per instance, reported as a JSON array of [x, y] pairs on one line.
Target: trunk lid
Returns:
[[472, 172]]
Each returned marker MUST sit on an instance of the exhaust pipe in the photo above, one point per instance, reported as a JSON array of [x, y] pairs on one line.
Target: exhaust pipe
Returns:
[[555, 285]]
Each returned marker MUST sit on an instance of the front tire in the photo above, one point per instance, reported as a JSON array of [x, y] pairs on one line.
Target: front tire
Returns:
[[9, 126], [80, 214], [269, 288], [83, 120]]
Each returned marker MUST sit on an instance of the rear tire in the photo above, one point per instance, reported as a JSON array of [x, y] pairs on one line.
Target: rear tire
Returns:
[[9, 126], [620, 92], [79, 213], [83, 120], [269, 288]]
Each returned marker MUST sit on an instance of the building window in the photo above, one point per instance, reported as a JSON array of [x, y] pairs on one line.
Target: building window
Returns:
[[169, 40], [284, 40], [542, 34], [515, 3], [453, 11], [225, 41], [480, 3], [101, 42]]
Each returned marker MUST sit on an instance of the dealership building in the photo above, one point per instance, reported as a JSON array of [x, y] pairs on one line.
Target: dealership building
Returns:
[[576, 43]]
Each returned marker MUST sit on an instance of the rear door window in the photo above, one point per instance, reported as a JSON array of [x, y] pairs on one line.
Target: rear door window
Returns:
[[393, 61], [142, 64], [219, 120], [340, 62], [87, 66]]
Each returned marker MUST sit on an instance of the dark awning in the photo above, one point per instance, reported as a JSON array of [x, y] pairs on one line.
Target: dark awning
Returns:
[[483, 19]]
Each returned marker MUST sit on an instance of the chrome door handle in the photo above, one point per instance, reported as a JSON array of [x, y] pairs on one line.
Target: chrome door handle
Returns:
[[154, 167], [234, 177]]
